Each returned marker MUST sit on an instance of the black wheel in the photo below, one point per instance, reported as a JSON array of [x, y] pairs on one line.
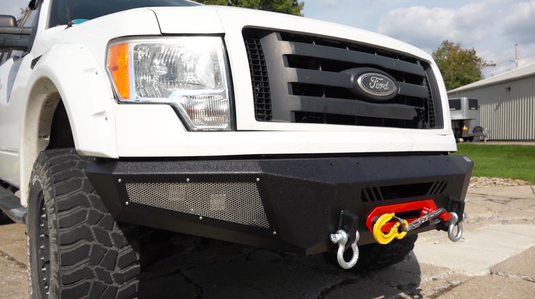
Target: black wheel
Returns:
[[75, 248], [376, 256]]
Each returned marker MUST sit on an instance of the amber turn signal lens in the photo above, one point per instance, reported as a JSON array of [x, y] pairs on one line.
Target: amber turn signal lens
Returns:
[[118, 66]]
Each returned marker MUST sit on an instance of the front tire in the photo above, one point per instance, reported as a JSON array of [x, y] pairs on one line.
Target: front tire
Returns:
[[75, 248], [376, 256]]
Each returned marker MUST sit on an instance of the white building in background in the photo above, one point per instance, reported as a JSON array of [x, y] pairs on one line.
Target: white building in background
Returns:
[[507, 103]]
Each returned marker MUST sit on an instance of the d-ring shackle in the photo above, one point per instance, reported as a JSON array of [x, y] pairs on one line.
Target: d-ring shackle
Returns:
[[455, 222], [341, 238]]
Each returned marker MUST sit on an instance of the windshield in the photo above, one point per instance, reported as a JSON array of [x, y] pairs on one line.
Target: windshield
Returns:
[[90, 9]]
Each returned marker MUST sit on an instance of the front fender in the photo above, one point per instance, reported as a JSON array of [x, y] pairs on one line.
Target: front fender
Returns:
[[85, 90], [70, 73]]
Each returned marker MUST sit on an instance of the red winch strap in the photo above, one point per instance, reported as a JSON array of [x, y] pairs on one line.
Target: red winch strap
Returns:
[[424, 206]]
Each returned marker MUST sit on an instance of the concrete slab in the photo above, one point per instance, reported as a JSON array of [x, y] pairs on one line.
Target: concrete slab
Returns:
[[363, 288], [491, 287], [12, 232], [433, 288], [426, 281], [255, 279], [500, 205], [167, 287], [13, 279], [505, 192], [521, 266], [16, 250], [479, 250], [13, 241]]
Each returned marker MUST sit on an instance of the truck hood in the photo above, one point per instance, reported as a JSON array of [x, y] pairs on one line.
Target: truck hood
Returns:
[[221, 19]]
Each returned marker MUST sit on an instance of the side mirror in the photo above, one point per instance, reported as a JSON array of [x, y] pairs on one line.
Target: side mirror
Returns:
[[8, 21], [13, 37]]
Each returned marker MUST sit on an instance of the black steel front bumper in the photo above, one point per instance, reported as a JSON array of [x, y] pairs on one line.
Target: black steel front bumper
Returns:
[[285, 204]]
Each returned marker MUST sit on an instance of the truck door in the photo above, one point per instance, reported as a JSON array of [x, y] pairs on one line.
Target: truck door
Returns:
[[10, 106]]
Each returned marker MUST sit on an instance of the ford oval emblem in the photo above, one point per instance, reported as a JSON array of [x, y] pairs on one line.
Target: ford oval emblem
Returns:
[[376, 84]]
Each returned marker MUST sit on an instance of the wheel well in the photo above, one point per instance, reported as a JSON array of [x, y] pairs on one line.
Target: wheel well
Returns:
[[47, 114], [46, 126], [60, 130]]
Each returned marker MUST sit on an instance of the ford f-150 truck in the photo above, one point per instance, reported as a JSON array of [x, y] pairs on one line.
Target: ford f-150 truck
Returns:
[[221, 123]]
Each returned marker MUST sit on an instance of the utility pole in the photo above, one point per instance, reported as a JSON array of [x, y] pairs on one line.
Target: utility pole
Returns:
[[516, 55]]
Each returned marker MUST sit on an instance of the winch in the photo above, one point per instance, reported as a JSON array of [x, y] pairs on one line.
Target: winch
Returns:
[[386, 226]]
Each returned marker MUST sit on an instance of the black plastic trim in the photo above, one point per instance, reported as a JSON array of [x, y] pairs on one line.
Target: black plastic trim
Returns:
[[319, 51], [353, 108]]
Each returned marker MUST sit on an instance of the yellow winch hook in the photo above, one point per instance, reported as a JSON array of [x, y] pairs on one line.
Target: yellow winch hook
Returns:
[[385, 238]]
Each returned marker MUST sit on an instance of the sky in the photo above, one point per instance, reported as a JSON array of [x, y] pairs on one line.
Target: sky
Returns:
[[10, 7], [491, 27]]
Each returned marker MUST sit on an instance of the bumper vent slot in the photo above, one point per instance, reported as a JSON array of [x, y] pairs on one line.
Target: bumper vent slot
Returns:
[[233, 202], [372, 194], [300, 78]]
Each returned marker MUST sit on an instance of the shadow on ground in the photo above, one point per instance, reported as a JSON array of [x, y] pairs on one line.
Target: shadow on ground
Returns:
[[259, 273], [178, 269], [4, 219]]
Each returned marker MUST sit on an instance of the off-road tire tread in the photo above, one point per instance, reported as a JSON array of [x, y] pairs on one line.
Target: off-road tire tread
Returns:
[[376, 256], [94, 256]]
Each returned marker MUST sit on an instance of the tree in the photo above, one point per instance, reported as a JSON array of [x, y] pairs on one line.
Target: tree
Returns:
[[459, 66], [292, 7]]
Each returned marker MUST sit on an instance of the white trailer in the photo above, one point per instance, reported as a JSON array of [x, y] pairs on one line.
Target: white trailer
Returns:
[[464, 113]]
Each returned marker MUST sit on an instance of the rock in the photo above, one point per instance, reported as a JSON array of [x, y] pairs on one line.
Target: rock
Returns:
[[482, 182]]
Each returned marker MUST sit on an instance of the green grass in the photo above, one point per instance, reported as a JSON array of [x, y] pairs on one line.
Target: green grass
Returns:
[[501, 161]]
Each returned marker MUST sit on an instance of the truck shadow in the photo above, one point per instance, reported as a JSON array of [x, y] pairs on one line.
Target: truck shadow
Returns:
[[259, 273], [4, 219]]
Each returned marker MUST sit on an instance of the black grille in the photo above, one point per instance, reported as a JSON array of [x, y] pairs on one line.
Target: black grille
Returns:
[[302, 78], [260, 79], [371, 194]]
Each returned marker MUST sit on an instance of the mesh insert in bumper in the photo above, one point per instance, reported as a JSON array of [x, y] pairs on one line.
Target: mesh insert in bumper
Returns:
[[234, 202]]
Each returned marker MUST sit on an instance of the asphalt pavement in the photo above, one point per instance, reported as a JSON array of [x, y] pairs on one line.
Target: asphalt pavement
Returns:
[[494, 259]]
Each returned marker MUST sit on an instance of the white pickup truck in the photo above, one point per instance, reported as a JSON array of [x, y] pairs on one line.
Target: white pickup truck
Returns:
[[237, 125]]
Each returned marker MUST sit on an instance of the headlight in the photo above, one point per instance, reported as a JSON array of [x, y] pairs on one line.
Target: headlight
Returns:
[[189, 73]]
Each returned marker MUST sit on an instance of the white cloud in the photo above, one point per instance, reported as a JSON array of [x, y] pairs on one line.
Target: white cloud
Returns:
[[418, 25], [491, 27], [520, 23], [428, 27]]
